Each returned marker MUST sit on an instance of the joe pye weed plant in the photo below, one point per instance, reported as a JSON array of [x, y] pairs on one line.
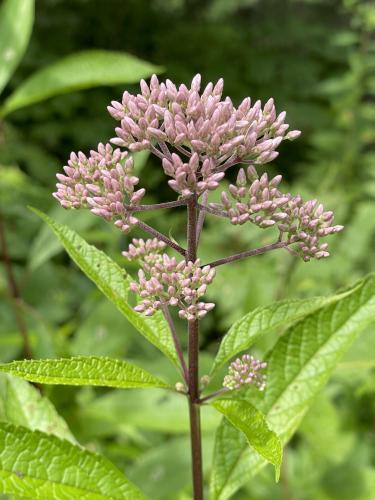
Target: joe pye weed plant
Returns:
[[199, 137]]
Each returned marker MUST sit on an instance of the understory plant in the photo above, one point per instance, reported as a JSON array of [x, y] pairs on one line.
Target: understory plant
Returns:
[[202, 140]]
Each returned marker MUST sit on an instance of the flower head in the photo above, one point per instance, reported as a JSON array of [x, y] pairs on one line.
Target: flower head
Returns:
[[103, 182], [258, 200], [200, 125], [245, 371], [165, 281]]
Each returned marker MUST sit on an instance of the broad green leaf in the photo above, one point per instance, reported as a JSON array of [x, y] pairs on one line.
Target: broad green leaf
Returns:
[[104, 372], [247, 330], [16, 22], [113, 281], [22, 404], [82, 70], [45, 244], [39, 466], [298, 367], [246, 418]]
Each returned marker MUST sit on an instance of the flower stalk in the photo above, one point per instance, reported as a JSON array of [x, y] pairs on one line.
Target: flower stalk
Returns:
[[198, 136], [193, 343]]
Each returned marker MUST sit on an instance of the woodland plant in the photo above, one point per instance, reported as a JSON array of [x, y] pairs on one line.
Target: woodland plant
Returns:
[[199, 138]]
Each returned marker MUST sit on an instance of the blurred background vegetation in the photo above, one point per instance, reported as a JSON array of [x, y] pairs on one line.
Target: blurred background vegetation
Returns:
[[317, 59]]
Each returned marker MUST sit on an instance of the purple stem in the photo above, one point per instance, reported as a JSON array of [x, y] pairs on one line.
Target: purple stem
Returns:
[[214, 394], [162, 237], [157, 206], [248, 253], [193, 332], [202, 215]]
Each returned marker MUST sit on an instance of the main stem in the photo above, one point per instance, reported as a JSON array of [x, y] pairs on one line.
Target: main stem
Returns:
[[193, 395]]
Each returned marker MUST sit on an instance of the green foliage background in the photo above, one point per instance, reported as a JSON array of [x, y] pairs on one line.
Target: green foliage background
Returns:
[[317, 59]]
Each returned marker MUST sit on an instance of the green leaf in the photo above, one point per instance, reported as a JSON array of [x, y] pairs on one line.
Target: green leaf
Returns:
[[247, 330], [40, 466], [16, 22], [246, 418], [298, 367], [82, 70], [104, 372], [45, 244], [22, 404], [113, 282]]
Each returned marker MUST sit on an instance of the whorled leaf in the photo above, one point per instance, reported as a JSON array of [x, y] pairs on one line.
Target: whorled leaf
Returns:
[[247, 330], [22, 404], [298, 367], [16, 23], [82, 370], [82, 70], [39, 466], [113, 282], [247, 419]]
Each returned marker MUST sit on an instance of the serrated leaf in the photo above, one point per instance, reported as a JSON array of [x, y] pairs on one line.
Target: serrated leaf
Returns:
[[113, 282], [82, 370], [298, 367], [22, 404], [46, 245], [39, 466], [16, 22], [82, 70], [246, 418], [247, 330]]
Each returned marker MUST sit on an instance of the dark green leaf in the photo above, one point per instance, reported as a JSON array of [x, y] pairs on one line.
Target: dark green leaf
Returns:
[[105, 372], [82, 70]]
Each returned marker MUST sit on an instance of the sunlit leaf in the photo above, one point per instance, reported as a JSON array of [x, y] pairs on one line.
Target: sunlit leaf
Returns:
[[16, 22], [40, 466], [114, 283], [105, 372], [246, 418], [247, 330], [82, 70], [45, 244], [22, 404], [298, 367]]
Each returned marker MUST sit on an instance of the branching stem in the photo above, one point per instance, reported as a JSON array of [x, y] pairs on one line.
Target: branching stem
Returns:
[[248, 253], [157, 206], [202, 215], [219, 392], [162, 237], [212, 211]]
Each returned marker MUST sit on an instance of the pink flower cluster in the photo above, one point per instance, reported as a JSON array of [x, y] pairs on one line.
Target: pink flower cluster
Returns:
[[192, 176], [245, 371], [202, 126], [259, 201], [164, 281], [103, 182]]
